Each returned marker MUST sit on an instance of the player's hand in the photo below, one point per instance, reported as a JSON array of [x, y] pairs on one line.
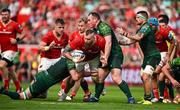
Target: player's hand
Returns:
[[175, 83], [120, 30], [78, 59], [103, 61], [13, 41], [52, 44]]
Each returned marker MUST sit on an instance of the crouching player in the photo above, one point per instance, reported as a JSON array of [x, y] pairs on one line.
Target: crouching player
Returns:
[[43, 81], [172, 71]]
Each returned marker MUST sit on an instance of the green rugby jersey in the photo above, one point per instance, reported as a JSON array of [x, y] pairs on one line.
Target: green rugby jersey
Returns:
[[175, 62], [104, 29], [147, 43]]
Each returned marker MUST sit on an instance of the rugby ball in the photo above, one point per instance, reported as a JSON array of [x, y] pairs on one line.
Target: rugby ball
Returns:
[[77, 55]]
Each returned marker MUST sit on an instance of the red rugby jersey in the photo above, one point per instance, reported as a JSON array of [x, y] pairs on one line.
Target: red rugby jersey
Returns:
[[91, 52], [54, 52], [161, 37], [8, 31]]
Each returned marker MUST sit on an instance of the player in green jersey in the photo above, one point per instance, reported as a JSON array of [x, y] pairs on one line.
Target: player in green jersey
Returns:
[[43, 81], [111, 60], [146, 38]]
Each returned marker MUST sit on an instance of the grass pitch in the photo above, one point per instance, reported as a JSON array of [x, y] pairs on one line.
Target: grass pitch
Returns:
[[113, 100]]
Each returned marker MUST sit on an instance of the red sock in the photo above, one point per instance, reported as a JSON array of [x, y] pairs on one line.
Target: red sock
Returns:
[[156, 94], [63, 85], [166, 95], [18, 85], [6, 83], [73, 93]]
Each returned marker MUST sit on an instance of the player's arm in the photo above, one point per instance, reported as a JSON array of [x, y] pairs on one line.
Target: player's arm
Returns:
[[172, 41], [43, 46], [106, 33], [67, 51], [127, 42], [166, 71], [134, 38], [22, 33]]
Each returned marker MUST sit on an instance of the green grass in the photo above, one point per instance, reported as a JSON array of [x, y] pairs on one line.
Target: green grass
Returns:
[[113, 100]]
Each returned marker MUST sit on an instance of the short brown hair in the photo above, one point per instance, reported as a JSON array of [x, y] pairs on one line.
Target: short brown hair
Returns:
[[83, 19], [89, 31]]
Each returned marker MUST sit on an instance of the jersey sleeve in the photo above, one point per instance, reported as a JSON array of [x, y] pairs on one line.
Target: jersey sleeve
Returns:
[[75, 44], [102, 43], [71, 37], [105, 30], [66, 40], [145, 30], [46, 39], [18, 28]]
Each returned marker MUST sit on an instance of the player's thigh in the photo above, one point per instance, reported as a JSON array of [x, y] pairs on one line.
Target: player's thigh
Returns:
[[44, 64], [80, 66], [94, 64], [102, 74], [115, 61], [7, 57], [41, 83]]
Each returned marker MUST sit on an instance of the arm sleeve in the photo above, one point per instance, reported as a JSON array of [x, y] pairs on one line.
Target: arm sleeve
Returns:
[[18, 28], [105, 30], [145, 30]]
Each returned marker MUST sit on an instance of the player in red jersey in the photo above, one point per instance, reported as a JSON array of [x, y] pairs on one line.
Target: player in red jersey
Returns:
[[81, 82], [51, 46], [162, 36], [92, 45], [9, 48]]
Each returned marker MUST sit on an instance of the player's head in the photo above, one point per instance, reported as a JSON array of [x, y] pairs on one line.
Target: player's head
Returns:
[[93, 19], [59, 25], [153, 23], [163, 20], [82, 24], [89, 37], [5, 14], [141, 17]]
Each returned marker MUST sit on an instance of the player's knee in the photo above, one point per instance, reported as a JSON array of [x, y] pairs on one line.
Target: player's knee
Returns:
[[146, 77]]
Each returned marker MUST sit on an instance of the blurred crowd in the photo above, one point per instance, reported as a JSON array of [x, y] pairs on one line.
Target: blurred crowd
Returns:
[[37, 18]]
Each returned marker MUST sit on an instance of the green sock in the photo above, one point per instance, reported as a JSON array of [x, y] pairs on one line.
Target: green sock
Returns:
[[98, 89], [12, 95], [171, 90], [124, 87], [161, 88]]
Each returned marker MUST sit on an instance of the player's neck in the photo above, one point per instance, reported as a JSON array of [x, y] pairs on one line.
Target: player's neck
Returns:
[[6, 22], [97, 23], [81, 33], [57, 35]]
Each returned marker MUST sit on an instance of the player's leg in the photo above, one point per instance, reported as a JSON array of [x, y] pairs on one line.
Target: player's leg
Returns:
[[161, 85], [13, 76], [148, 66], [155, 92], [116, 63], [75, 88], [5, 77], [116, 77]]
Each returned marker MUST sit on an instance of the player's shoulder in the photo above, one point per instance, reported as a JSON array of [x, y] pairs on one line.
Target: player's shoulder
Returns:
[[49, 34], [65, 34], [103, 25], [100, 38], [14, 22]]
